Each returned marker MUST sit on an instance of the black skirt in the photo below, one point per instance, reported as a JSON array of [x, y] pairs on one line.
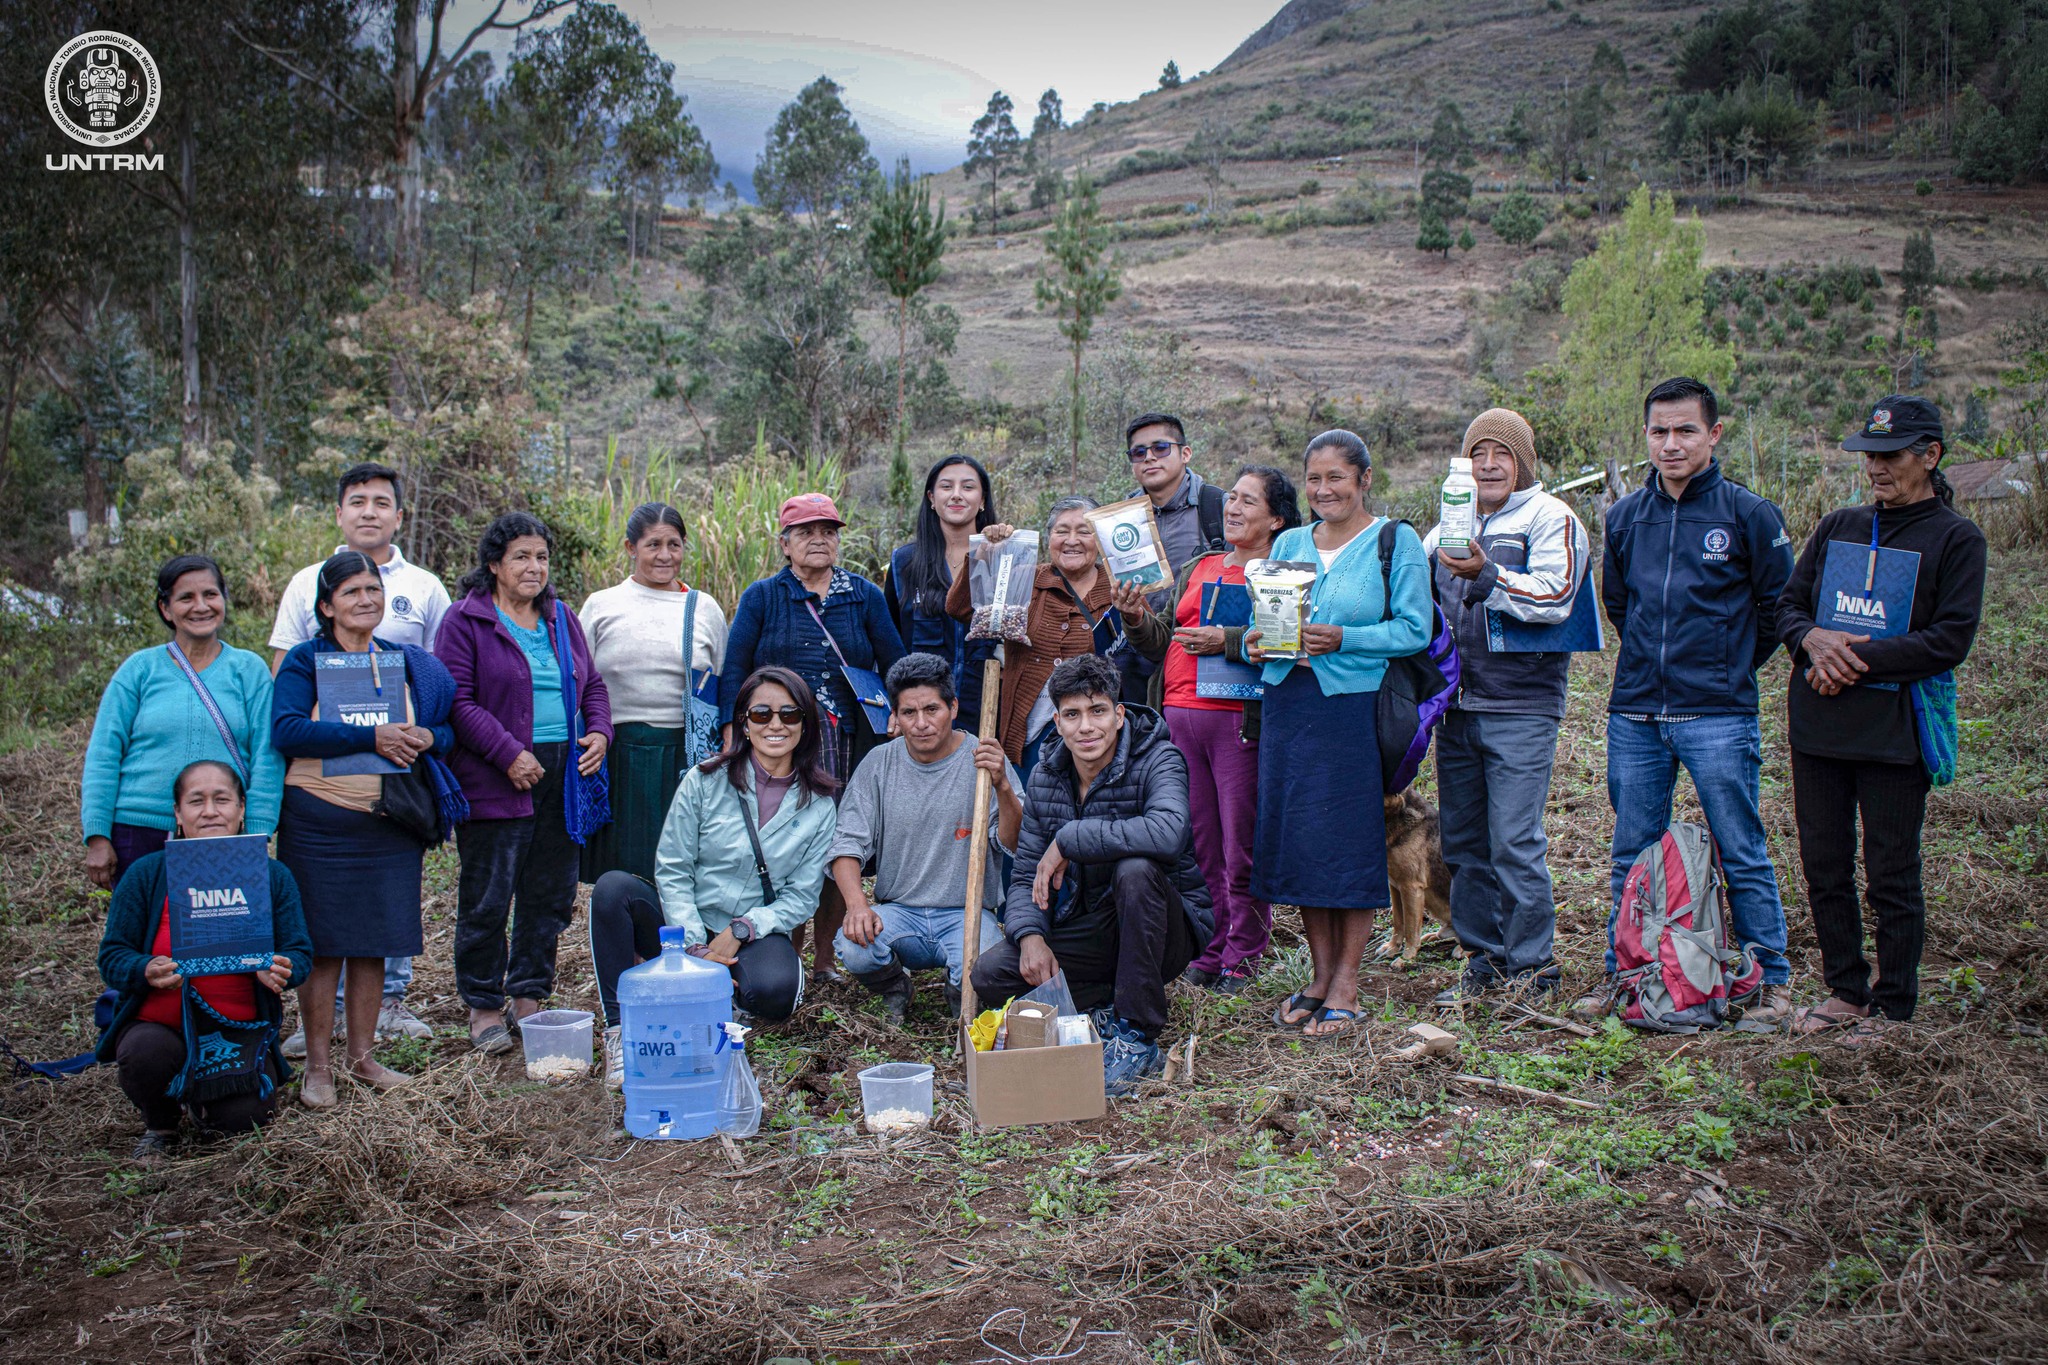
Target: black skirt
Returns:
[[646, 763], [358, 876], [1322, 831]]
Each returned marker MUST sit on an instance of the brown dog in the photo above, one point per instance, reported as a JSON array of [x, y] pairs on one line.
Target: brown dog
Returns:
[[1416, 874]]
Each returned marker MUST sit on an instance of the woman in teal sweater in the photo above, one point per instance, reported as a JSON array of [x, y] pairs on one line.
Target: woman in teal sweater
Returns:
[[1321, 836], [166, 707]]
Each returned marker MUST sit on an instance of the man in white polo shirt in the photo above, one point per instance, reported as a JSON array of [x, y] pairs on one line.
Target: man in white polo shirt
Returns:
[[370, 510]]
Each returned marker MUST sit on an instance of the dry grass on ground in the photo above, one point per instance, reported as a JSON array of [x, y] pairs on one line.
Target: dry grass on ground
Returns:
[[1728, 1196]]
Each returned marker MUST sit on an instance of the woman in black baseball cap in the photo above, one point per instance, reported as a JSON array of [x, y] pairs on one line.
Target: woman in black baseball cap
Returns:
[[1882, 605]]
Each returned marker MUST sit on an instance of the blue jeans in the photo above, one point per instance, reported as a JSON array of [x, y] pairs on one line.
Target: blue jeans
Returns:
[[1724, 755], [1493, 778], [397, 976], [914, 937]]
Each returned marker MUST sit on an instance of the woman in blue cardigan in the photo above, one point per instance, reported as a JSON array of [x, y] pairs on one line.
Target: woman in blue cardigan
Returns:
[[1321, 835], [357, 865]]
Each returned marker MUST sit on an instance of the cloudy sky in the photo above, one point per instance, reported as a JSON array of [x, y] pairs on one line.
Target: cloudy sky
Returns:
[[918, 72]]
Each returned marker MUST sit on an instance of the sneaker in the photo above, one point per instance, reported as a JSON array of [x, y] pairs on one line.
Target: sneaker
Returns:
[[1769, 1012], [1595, 1004], [1469, 990], [394, 1020], [1199, 976], [152, 1148], [614, 1058], [1232, 983], [1128, 1057]]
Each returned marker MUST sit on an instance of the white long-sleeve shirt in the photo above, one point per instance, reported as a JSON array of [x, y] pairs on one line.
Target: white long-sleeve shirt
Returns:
[[636, 641]]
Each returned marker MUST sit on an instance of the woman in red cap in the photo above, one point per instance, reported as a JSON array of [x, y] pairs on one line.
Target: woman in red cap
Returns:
[[1880, 610], [832, 627]]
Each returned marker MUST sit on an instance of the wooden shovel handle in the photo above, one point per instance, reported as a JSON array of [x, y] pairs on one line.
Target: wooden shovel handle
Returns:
[[977, 848]]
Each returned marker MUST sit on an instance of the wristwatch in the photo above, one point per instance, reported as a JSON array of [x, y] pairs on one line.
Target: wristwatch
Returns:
[[741, 929]]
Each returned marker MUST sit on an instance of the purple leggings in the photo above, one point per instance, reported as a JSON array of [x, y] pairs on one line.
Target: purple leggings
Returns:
[[1223, 807]]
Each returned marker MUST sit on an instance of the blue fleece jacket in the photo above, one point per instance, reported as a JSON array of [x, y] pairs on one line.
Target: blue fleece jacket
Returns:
[[1691, 585]]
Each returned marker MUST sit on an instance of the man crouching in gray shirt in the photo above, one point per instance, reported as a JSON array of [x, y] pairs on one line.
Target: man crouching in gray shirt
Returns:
[[909, 810]]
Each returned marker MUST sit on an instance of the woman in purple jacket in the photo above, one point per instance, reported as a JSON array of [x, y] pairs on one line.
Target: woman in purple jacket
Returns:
[[515, 736]]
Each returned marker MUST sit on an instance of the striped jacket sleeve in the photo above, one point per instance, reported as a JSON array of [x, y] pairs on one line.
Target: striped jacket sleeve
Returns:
[[1541, 592]]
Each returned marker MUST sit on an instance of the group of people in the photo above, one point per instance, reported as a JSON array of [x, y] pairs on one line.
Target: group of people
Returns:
[[812, 763]]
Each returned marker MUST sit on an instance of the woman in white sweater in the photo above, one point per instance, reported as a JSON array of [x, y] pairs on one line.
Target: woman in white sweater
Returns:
[[664, 698]]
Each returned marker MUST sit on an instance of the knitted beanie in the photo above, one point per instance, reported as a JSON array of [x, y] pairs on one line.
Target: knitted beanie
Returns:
[[1509, 428]]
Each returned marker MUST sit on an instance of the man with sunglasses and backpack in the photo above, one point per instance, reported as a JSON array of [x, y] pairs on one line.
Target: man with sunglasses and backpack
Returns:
[[1189, 510]]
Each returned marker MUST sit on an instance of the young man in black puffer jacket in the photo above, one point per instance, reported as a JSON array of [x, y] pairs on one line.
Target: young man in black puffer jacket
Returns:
[[1106, 885]]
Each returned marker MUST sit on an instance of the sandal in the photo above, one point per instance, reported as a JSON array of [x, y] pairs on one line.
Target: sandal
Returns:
[[1307, 1004], [1833, 1013], [1327, 1014]]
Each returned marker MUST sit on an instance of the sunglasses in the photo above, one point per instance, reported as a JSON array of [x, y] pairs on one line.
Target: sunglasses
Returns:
[[788, 715], [1138, 453]]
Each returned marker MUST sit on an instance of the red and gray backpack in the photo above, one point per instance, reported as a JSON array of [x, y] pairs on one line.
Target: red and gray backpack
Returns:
[[1677, 966]]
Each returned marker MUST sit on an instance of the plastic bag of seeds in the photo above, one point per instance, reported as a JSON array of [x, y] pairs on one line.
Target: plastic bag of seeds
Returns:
[[999, 578]]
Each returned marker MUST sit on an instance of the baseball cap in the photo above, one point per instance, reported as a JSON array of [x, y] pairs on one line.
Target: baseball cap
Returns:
[[1897, 421], [808, 507]]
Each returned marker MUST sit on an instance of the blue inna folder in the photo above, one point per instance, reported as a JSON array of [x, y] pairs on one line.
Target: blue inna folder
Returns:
[[1226, 604], [1579, 633], [360, 689], [219, 904], [1867, 590]]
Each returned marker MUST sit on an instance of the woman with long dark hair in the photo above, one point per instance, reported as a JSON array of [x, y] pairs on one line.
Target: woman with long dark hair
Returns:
[[658, 643], [958, 501], [1857, 745], [1219, 733], [1321, 840], [195, 697], [771, 789], [356, 864], [529, 704]]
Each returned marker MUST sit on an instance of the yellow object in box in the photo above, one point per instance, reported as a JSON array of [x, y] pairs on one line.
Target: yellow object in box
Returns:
[[982, 1032]]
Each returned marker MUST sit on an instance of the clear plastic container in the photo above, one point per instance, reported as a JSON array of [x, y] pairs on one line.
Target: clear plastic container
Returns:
[[896, 1096], [557, 1044], [672, 1012]]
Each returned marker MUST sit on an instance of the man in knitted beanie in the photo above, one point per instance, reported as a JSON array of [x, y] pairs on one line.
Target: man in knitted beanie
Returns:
[[1509, 600]]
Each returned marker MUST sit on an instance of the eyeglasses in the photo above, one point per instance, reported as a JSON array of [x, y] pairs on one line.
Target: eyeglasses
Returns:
[[788, 715], [1138, 453]]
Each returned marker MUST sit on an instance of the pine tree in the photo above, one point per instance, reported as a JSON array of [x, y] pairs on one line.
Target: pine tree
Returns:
[[1078, 285], [906, 239], [1434, 235], [1518, 219], [1169, 79], [992, 145], [1450, 139], [1466, 241]]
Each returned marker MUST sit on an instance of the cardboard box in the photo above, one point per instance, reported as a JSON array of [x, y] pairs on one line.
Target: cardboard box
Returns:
[[1035, 1084]]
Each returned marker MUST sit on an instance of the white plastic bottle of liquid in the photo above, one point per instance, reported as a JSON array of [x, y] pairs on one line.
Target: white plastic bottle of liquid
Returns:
[[1455, 519]]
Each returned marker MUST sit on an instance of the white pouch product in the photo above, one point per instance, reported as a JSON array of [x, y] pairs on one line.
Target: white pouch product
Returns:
[[1279, 591], [1128, 532]]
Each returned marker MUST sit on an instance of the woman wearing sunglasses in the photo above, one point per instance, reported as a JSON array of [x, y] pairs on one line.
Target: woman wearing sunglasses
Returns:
[[769, 789]]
